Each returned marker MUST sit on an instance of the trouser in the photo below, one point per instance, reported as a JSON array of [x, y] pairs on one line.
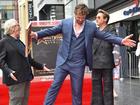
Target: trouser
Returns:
[[76, 77], [19, 93], [102, 87]]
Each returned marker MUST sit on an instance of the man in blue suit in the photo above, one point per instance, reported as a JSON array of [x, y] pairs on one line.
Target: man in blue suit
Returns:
[[75, 51]]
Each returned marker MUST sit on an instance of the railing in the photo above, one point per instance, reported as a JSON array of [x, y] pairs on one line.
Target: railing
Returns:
[[133, 65]]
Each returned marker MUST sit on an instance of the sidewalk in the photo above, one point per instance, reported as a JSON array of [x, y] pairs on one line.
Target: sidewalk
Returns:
[[128, 91]]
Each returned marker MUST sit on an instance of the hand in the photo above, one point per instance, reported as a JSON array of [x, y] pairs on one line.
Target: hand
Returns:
[[45, 68], [128, 42], [33, 35], [12, 76]]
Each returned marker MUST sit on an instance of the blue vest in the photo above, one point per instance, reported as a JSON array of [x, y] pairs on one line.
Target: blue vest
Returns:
[[76, 57]]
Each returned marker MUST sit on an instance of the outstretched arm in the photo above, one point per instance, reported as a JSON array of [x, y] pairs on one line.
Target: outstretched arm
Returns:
[[127, 41], [47, 32]]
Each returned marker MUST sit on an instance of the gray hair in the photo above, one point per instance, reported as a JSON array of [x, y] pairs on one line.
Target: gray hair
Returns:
[[9, 26]]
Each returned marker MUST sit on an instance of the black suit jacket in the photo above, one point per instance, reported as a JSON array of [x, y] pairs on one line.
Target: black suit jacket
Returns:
[[13, 59], [102, 53]]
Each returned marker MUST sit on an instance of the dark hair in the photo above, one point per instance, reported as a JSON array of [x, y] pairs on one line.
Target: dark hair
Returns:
[[81, 9], [105, 13]]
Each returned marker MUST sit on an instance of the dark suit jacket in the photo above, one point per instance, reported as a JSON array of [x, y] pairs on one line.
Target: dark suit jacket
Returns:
[[102, 53], [12, 59], [66, 29]]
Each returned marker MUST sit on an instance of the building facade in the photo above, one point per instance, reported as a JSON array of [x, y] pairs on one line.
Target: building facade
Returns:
[[49, 9], [8, 10]]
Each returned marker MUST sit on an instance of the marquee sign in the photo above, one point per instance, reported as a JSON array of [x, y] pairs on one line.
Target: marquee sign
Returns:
[[134, 9]]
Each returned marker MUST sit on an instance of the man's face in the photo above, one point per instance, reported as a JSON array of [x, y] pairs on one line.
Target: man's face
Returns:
[[100, 20], [17, 30], [80, 19]]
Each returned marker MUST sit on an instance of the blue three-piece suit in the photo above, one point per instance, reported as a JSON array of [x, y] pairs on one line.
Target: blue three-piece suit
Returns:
[[73, 55]]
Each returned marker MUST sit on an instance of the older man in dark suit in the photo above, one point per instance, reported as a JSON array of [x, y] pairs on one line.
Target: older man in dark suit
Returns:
[[16, 67]]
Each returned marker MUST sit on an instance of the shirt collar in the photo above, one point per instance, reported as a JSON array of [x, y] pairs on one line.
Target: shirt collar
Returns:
[[74, 22], [77, 33]]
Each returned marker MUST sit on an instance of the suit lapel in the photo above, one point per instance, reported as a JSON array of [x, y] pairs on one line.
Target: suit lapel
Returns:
[[98, 42], [12, 43], [70, 30], [86, 30]]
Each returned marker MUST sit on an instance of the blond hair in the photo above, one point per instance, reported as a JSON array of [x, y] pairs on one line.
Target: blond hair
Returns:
[[81, 9]]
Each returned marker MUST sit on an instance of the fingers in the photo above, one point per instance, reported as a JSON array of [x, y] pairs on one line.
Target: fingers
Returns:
[[131, 44], [127, 41], [13, 72], [46, 69], [33, 35], [129, 36], [13, 77]]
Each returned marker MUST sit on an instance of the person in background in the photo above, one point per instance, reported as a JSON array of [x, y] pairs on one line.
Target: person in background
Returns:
[[116, 70], [137, 53], [103, 64], [75, 51], [16, 67]]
